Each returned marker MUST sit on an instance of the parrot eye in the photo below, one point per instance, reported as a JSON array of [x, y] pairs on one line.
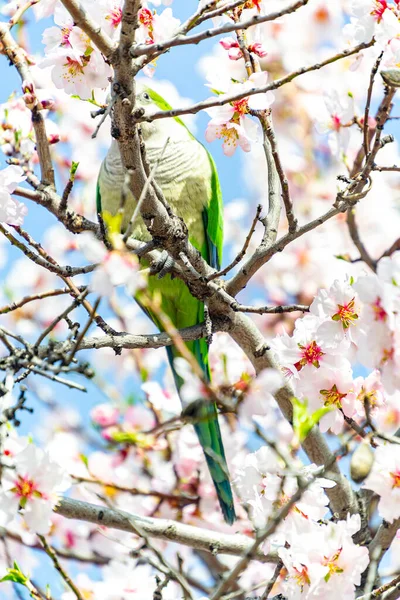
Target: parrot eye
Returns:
[[146, 96]]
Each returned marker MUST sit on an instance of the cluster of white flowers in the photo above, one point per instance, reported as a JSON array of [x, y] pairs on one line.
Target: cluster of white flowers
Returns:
[[77, 65], [353, 322], [321, 559]]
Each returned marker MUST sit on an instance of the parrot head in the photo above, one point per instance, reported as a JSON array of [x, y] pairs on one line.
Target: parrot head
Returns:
[[159, 130]]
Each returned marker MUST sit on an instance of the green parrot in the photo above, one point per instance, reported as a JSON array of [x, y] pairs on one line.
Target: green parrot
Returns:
[[188, 178]]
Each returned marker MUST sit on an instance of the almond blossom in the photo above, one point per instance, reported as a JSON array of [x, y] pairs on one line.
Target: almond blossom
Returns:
[[33, 484], [370, 395], [309, 348], [115, 268], [384, 480], [324, 562], [154, 27], [104, 415], [373, 18], [340, 307], [340, 109], [230, 122], [12, 212], [262, 482]]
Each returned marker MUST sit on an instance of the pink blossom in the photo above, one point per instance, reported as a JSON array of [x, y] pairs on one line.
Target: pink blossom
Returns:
[[104, 415]]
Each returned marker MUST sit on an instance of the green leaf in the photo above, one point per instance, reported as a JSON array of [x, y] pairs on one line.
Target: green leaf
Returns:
[[72, 171], [15, 575], [217, 92], [345, 257], [91, 100], [303, 421], [84, 459]]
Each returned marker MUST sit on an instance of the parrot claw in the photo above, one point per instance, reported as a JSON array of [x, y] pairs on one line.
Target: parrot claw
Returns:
[[163, 265]]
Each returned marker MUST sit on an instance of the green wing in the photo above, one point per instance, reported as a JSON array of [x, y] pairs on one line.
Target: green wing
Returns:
[[213, 219]]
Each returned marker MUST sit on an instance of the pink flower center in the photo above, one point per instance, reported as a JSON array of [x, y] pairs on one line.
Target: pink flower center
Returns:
[[380, 312], [370, 397], [74, 67], [24, 487], [145, 17], [332, 397], [321, 15], [380, 7], [241, 106], [346, 314], [310, 355], [228, 134], [115, 16], [65, 31], [332, 565], [301, 577], [387, 355], [336, 123], [253, 4], [396, 479]]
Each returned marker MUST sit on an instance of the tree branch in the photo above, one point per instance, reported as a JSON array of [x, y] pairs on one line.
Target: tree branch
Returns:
[[153, 50], [226, 99], [18, 59], [92, 29], [164, 529]]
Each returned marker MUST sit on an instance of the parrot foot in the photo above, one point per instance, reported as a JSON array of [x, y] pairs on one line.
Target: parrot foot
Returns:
[[163, 265]]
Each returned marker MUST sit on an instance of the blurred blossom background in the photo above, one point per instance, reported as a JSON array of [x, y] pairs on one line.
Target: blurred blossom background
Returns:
[[318, 122]]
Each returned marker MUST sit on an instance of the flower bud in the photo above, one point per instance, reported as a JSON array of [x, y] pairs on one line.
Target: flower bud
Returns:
[[30, 100], [361, 462], [47, 104], [28, 87]]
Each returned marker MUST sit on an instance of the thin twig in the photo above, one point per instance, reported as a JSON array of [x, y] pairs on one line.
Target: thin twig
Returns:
[[76, 302], [52, 554], [83, 332], [20, 11], [51, 266], [145, 189], [272, 581], [179, 499], [70, 384], [243, 250], [268, 130], [381, 169], [378, 592], [269, 310], [26, 299], [368, 103]]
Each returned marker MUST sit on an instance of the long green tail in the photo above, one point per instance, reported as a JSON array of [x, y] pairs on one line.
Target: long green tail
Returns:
[[205, 417]]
